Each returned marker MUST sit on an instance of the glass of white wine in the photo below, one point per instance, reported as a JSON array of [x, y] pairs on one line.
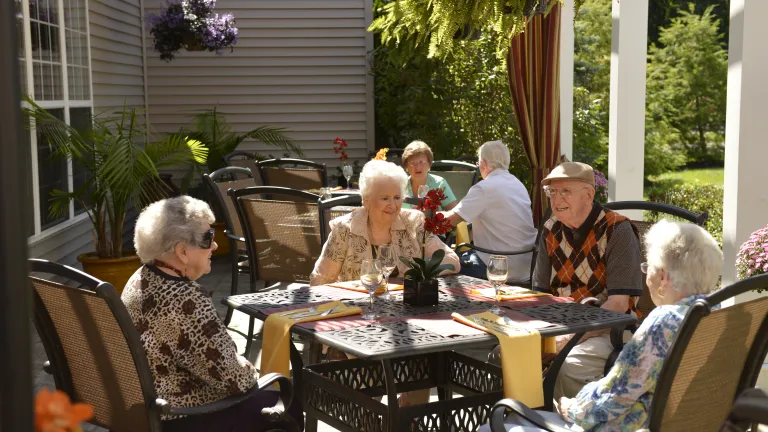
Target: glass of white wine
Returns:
[[347, 171], [371, 277], [388, 263], [497, 275], [423, 189]]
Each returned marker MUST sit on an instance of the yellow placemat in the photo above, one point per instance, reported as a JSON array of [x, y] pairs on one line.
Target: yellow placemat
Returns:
[[275, 349], [508, 293], [358, 286], [520, 356]]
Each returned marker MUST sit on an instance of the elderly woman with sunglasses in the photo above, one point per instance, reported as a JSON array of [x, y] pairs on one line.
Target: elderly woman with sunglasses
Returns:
[[193, 359], [417, 160]]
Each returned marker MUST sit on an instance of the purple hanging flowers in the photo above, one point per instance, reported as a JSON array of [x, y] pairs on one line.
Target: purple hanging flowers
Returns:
[[752, 259], [191, 24]]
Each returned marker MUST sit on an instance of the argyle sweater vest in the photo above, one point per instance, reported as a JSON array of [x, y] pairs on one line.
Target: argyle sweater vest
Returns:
[[578, 269]]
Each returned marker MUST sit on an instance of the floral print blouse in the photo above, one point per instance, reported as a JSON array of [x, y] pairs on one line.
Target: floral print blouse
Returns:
[[622, 399], [348, 245]]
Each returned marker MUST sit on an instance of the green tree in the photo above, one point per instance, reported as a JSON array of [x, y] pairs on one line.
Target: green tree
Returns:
[[686, 87]]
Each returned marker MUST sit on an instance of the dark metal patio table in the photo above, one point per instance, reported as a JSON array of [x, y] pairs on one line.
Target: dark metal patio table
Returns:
[[394, 355]]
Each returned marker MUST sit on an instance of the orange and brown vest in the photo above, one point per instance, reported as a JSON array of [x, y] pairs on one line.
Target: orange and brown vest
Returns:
[[578, 267]]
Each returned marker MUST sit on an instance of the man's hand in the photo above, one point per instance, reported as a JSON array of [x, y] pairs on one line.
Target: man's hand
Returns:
[[616, 303], [453, 217]]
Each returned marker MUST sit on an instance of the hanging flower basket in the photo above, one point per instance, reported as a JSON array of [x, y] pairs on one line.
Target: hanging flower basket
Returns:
[[192, 25]]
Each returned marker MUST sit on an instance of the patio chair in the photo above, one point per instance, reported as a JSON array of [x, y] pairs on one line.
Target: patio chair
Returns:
[[218, 183], [282, 235], [96, 357], [336, 207], [750, 408], [716, 354], [460, 175], [244, 159], [293, 173]]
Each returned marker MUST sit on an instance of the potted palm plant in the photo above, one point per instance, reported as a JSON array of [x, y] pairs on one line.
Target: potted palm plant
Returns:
[[210, 127], [122, 172]]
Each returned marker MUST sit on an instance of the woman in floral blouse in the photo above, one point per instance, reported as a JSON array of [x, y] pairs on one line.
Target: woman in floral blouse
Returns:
[[193, 359], [683, 266]]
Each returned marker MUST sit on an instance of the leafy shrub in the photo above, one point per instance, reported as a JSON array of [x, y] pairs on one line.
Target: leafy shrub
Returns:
[[697, 198]]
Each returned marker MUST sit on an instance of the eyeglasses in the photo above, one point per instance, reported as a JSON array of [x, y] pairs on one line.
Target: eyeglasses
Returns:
[[418, 163], [207, 241], [563, 193], [644, 267]]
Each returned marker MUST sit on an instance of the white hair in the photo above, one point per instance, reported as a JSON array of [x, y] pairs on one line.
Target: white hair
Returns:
[[688, 253], [495, 154], [377, 170], [165, 223]]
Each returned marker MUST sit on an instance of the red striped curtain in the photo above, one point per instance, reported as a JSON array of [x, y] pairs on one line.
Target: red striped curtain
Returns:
[[533, 66]]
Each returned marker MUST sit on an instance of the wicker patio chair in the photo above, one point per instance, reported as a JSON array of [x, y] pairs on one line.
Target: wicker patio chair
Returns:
[[244, 159], [716, 354], [218, 183], [461, 176], [282, 235], [96, 357], [336, 207], [750, 408], [293, 173]]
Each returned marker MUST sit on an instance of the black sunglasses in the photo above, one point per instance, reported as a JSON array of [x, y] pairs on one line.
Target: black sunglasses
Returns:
[[207, 239]]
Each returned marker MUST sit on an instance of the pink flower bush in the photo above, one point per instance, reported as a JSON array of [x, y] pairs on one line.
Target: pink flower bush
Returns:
[[752, 259], [601, 187]]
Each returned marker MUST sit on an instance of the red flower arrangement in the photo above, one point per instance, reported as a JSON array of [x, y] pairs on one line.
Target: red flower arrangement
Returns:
[[434, 223], [339, 148]]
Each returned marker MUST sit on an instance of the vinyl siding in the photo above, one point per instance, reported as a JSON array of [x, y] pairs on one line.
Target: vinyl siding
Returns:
[[301, 65]]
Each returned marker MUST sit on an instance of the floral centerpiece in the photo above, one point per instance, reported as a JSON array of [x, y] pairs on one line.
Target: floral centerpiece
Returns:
[[420, 285], [191, 24], [601, 186], [752, 259], [345, 169], [54, 412], [381, 154]]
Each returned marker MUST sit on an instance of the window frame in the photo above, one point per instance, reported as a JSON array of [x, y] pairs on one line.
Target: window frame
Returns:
[[65, 103]]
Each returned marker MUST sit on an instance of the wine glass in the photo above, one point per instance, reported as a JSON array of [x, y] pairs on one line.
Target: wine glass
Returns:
[[423, 189], [371, 277], [347, 171], [497, 275], [326, 193], [388, 264]]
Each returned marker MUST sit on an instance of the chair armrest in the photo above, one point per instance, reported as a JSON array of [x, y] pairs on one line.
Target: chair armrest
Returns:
[[47, 368], [272, 413], [519, 408], [593, 301], [751, 406], [231, 236], [493, 252]]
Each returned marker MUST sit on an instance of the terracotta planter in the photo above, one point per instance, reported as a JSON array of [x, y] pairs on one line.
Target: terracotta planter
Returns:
[[220, 239], [116, 271], [420, 293]]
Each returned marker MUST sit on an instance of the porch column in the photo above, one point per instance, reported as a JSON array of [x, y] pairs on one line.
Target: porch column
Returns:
[[629, 37], [745, 207], [566, 79]]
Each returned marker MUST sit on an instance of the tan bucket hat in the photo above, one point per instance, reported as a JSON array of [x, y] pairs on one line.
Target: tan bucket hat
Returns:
[[571, 171]]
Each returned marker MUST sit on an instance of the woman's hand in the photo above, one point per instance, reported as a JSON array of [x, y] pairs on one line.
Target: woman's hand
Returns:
[[563, 406]]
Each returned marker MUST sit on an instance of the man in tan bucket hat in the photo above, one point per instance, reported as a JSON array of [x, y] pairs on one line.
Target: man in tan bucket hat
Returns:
[[586, 251]]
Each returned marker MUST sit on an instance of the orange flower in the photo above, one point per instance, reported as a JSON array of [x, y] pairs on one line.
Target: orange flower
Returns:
[[55, 413], [381, 154]]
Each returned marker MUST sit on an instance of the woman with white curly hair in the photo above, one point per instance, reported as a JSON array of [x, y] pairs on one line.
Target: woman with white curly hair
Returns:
[[193, 359], [382, 221], [684, 263]]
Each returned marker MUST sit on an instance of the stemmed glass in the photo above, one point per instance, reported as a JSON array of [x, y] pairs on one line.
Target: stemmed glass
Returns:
[[371, 277], [347, 171], [423, 189], [497, 275], [388, 264]]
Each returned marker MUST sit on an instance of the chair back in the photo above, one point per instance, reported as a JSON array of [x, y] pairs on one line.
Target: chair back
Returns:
[[715, 355], [94, 349], [244, 159], [461, 176], [219, 182], [336, 207], [293, 173], [645, 305], [282, 231]]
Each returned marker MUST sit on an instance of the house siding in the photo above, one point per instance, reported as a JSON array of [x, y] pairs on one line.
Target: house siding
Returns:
[[300, 65]]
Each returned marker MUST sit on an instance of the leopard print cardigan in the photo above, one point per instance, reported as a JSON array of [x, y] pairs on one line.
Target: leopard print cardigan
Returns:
[[348, 245], [193, 359]]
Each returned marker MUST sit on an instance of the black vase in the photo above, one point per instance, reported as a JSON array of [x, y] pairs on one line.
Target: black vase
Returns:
[[422, 293]]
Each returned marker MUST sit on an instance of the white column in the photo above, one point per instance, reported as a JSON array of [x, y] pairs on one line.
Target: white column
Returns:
[[566, 78], [629, 37], [745, 207]]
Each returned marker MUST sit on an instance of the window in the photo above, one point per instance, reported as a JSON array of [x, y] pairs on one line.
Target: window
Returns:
[[55, 72]]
